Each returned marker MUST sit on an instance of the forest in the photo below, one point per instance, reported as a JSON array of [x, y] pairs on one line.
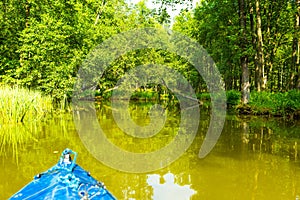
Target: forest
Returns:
[[254, 43], [251, 140]]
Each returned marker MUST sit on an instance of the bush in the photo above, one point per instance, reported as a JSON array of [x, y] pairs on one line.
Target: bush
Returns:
[[282, 104], [203, 96], [147, 94], [233, 97]]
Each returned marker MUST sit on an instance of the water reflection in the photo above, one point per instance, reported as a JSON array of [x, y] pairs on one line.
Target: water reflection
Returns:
[[255, 158], [261, 135], [169, 189]]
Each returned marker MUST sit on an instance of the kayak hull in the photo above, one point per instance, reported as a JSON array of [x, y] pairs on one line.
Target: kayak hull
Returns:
[[63, 182]]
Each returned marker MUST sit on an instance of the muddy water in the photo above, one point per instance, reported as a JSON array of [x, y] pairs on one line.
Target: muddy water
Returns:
[[255, 157]]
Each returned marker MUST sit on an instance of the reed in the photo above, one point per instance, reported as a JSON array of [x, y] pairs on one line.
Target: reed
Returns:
[[18, 105]]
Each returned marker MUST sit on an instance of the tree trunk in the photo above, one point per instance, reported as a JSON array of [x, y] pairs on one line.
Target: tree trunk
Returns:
[[271, 45], [99, 12], [244, 58], [262, 79], [296, 48], [27, 13], [253, 36], [27, 16]]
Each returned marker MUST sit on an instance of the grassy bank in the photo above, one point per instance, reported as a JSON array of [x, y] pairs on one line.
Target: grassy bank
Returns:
[[282, 104], [19, 105], [286, 104]]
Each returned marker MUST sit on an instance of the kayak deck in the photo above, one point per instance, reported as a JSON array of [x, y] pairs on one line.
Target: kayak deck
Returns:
[[65, 180]]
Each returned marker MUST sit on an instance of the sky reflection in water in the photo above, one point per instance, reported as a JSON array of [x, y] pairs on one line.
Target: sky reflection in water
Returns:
[[169, 189]]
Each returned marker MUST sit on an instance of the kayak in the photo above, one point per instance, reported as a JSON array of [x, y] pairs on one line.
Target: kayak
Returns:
[[64, 181]]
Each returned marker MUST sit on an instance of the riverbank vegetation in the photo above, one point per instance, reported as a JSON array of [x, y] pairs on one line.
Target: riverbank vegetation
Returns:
[[254, 43], [18, 105], [285, 104]]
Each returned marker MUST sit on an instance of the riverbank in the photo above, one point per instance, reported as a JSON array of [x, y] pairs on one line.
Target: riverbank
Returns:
[[277, 104], [285, 104], [19, 104]]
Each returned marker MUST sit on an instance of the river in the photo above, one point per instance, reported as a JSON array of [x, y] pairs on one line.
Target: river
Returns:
[[256, 157]]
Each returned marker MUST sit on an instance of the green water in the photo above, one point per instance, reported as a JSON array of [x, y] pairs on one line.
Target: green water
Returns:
[[255, 157]]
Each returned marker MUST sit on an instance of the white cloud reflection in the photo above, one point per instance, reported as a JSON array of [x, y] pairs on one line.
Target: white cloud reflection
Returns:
[[169, 189]]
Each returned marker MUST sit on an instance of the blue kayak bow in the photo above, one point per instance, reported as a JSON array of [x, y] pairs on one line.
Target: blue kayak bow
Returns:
[[65, 180]]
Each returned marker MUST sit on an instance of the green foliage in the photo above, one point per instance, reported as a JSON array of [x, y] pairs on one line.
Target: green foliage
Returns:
[[215, 24], [282, 104], [203, 96], [233, 97], [43, 44], [147, 95]]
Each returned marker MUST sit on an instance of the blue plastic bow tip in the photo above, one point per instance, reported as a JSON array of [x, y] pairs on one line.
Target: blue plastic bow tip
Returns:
[[65, 180]]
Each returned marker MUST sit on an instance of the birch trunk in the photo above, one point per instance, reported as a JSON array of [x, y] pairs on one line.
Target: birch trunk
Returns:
[[244, 58], [262, 79]]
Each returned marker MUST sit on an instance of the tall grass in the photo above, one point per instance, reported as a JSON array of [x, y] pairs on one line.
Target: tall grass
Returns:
[[19, 104]]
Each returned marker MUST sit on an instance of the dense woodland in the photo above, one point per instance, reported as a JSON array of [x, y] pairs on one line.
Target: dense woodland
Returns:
[[254, 43]]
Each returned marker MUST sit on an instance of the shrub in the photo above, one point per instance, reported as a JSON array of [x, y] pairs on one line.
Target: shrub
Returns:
[[233, 97], [282, 104], [203, 96]]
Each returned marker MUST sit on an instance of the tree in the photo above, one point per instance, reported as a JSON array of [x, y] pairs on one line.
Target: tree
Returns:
[[244, 57], [260, 68], [296, 46], [51, 39]]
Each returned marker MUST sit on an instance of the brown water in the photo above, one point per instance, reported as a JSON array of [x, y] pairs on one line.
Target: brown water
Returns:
[[255, 158]]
